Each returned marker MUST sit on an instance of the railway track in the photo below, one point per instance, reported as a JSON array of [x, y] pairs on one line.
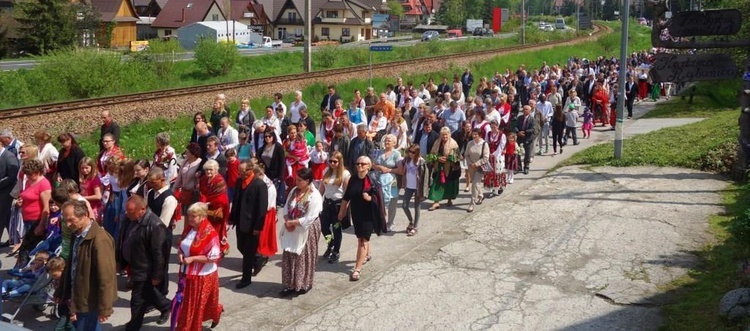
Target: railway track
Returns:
[[68, 106]]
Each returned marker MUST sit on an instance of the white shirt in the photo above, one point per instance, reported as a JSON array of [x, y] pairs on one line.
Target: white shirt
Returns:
[[391, 96], [48, 155], [214, 254], [276, 105], [294, 108], [229, 137], [412, 172], [545, 109], [271, 193], [296, 241], [334, 192], [168, 208]]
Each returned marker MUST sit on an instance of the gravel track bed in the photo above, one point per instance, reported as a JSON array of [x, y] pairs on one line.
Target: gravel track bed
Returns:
[[84, 121]]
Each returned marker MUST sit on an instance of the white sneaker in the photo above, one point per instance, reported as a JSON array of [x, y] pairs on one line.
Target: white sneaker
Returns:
[[510, 181]]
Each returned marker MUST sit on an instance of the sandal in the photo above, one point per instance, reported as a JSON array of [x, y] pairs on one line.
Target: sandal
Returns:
[[367, 259], [411, 232], [434, 206], [480, 200], [354, 276], [450, 203]]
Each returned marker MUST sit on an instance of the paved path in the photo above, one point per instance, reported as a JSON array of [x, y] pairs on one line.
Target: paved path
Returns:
[[560, 251]]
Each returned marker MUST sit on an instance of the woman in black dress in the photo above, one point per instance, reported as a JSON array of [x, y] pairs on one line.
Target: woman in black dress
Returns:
[[360, 195], [69, 159]]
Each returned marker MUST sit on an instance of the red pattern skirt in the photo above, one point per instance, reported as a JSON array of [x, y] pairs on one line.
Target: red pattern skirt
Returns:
[[200, 302], [317, 169], [492, 179], [267, 245]]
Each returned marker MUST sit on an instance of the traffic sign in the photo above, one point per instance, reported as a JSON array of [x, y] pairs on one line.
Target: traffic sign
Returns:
[[381, 48], [722, 22]]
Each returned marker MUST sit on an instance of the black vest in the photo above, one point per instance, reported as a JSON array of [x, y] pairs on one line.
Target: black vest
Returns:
[[156, 204]]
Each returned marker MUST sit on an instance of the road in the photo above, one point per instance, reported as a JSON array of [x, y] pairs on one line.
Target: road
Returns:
[[28, 64], [576, 249]]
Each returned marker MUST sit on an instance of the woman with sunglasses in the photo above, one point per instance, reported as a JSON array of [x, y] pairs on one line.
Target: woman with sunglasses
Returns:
[[363, 195], [332, 188], [413, 168], [271, 155]]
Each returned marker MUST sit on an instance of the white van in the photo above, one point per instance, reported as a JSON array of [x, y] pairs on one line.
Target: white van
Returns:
[[560, 23]]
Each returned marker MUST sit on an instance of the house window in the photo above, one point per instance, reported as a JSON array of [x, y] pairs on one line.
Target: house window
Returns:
[[215, 17], [325, 31], [291, 16], [167, 32], [281, 33], [345, 32], [332, 14]]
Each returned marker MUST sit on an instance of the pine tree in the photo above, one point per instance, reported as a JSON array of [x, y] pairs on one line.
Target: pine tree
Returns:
[[46, 25], [452, 13]]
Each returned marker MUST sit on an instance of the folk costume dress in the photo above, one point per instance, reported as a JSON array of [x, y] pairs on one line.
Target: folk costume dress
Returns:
[[496, 142], [200, 301], [300, 257], [214, 192], [444, 187]]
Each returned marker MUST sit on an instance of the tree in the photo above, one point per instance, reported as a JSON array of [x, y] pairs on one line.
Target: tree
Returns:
[[452, 13], [46, 25], [396, 8], [475, 8], [216, 59]]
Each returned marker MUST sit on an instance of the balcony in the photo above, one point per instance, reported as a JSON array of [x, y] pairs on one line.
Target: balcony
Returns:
[[334, 20], [289, 21]]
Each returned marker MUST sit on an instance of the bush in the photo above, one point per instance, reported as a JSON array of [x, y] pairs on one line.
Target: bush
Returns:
[[14, 89], [216, 59], [739, 227], [720, 159], [326, 56], [87, 73]]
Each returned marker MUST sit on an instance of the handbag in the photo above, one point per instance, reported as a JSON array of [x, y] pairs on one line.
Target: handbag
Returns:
[[487, 166]]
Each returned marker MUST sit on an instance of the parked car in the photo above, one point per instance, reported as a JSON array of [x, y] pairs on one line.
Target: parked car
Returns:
[[546, 27], [482, 32], [560, 23], [454, 33], [430, 35]]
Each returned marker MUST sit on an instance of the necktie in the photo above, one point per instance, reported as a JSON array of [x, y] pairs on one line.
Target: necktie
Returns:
[[524, 122]]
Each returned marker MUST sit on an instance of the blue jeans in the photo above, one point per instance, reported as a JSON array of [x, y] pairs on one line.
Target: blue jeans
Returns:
[[88, 321], [16, 287]]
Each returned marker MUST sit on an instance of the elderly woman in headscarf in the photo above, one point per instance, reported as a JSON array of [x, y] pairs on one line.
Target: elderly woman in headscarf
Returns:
[[445, 169], [213, 191]]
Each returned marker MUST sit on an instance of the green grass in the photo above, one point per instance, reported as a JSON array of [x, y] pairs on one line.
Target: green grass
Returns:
[[708, 98], [682, 146]]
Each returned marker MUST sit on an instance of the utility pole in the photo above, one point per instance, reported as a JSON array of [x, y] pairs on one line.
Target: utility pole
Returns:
[[307, 54], [622, 78], [523, 22]]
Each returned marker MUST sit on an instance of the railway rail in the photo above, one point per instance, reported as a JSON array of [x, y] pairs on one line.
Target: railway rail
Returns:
[[68, 106]]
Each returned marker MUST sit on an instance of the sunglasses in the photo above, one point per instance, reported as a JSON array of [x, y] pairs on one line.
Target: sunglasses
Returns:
[[412, 152], [362, 164], [333, 162], [268, 137]]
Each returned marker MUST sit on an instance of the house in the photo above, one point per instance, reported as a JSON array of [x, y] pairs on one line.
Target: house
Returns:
[[253, 14], [418, 12], [179, 13], [148, 8], [344, 20], [121, 16], [288, 19], [233, 31]]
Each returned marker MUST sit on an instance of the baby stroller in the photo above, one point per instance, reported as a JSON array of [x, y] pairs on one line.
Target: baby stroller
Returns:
[[40, 296]]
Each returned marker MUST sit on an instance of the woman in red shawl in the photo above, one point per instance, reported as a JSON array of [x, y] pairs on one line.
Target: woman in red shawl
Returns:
[[198, 255], [213, 190]]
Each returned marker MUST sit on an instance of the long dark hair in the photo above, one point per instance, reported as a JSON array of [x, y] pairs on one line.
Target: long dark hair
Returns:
[[558, 114], [65, 136]]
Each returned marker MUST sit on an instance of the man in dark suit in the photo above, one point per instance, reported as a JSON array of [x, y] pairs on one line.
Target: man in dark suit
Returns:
[[467, 80], [359, 146], [309, 122], [525, 128], [588, 89], [109, 126], [8, 177], [631, 92], [444, 87], [249, 206], [329, 100]]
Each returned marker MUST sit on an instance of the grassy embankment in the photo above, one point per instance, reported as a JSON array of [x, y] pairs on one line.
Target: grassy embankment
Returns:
[[708, 143]]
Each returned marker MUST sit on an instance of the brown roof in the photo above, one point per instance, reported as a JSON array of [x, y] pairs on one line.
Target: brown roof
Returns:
[[300, 5], [240, 7], [108, 9], [171, 15]]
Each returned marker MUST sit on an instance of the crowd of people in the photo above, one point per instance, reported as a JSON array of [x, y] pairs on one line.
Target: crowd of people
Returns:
[[409, 143]]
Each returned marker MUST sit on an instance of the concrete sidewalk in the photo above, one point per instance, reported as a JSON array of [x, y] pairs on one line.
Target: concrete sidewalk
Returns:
[[530, 247]]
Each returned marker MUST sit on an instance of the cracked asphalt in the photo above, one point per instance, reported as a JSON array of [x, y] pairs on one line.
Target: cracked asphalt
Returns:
[[579, 248]]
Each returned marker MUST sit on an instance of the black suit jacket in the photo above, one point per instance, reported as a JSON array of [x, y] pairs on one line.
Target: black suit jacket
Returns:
[[366, 150], [310, 124], [275, 169], [249, 206], [631, 91], [464, 79], [8, 173], [329, 101], [443, 88], [529, 130]]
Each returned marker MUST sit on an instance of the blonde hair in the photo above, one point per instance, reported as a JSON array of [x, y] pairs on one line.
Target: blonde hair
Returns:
[[198, 209], [338, 172], [31, 150], [87, 161]]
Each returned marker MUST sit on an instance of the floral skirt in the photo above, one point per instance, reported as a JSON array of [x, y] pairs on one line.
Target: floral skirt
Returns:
[[492, 179], [267, 245], [200, 302], [298, 270]]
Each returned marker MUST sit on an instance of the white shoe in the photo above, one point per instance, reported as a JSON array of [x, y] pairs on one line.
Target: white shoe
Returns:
[[510, 181]]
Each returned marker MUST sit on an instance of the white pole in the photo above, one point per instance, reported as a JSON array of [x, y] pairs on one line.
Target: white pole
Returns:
[[622, 78]]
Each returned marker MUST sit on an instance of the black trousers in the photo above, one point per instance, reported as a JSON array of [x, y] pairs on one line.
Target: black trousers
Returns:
[[144, 294], [5, 203], [629, 105], [247, 244]]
